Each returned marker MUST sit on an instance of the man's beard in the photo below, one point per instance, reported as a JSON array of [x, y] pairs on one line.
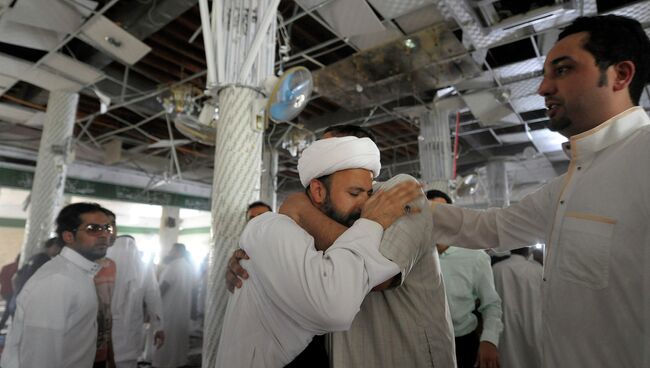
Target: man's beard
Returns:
[[559, 124], [334, 214]]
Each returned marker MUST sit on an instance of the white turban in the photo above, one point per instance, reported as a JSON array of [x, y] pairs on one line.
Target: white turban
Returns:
[[330, 155]]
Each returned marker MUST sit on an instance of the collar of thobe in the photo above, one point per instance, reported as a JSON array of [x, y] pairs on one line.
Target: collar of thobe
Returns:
[[582, 146], [80, 261]]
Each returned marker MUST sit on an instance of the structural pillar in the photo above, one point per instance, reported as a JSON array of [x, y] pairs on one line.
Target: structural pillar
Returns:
[[236, 175], [498, 188], [49, 179], [269, 181], [240, 55], [169, 229], [435, 149]]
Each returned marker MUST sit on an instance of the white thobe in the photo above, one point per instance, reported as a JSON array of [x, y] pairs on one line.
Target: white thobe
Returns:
[[594, 222], [519, 283], [177, 303], [55, 324], [135, 286], [295, 292]]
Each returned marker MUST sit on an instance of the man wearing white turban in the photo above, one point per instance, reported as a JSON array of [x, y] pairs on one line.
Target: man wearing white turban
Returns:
[[295, 291]]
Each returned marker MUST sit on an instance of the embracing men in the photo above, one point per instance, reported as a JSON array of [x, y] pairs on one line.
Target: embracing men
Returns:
[[296, 291]]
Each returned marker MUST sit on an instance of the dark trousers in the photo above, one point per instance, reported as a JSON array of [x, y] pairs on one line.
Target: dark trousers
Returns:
[[314, 355], [467, 349]]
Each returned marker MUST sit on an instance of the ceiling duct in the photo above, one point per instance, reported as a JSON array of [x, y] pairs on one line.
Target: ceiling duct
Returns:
[[429, 59], [491, 107], [514, 14]]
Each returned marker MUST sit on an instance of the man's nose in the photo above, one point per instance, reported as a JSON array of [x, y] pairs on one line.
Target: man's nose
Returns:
[[546, 88]]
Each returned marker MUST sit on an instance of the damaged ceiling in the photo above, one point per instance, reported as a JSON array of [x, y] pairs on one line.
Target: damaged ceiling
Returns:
[[375, 63]]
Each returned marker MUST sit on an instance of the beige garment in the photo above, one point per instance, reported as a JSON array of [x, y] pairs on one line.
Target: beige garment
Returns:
[[406, 326], [594, 222]]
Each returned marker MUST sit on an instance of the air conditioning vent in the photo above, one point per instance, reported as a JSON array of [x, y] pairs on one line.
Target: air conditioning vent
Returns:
[[515, 14]]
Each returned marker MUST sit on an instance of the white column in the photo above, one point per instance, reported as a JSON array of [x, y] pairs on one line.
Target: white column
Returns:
[[269, 182], [236, 175], [497, 188], [435, 149], [243, 33], [49, 179], [169, 228]]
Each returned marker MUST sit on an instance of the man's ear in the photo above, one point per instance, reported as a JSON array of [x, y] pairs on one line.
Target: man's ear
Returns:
[[317, 192], [68, 237], [624, 72]]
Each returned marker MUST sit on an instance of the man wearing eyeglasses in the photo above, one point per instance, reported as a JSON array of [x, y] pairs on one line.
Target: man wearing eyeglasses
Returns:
[[55, 324]]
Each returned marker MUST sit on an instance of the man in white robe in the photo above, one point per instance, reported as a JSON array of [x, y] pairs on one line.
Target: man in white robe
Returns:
[[295, 291], [135, 287], [176, 282], [55, 324], [518, 280], [594, 219]]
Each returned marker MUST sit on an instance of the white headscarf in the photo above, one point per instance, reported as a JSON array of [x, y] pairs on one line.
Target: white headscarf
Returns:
[[127, 263], [330, 155]]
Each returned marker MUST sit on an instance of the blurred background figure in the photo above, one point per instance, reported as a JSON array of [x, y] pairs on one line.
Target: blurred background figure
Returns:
[[518, 280], [135, 287], [176, 282], [7, 287], [257, 208]]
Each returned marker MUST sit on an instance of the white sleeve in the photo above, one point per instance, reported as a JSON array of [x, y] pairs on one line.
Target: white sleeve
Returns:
[[321, 290], [521, 224], [490, 307]]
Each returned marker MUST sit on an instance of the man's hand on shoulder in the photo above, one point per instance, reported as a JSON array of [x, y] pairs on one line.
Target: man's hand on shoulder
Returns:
[[385, 207], [235, 273]]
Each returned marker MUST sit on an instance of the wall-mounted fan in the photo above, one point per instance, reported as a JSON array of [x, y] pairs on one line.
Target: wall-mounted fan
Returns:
[[467, 185], [289, 94], [203, 128]]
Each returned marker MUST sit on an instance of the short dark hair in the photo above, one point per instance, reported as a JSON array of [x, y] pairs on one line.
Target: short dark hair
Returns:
[[259, 204], [51, 242], [349, 130], [69, 217], [435, 193], [613, 39], [109, 213]]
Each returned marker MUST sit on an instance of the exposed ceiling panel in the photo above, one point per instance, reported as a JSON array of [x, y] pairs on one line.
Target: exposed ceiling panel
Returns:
[[522, 69], [110, 38], [28, 36], [370, 40], [53, 15], [347, 17], [639, 11], [528, 103], [15, 114], [16, 68], [419, 19], [390, 9], [429, 59], [73, 69], [6, 81]]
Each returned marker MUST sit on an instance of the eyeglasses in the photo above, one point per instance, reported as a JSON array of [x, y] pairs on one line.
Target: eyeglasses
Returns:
[[96, 229]]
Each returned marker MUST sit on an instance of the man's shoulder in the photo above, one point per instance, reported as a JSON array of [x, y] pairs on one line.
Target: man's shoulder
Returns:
[[271, 228], [271, 224]]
